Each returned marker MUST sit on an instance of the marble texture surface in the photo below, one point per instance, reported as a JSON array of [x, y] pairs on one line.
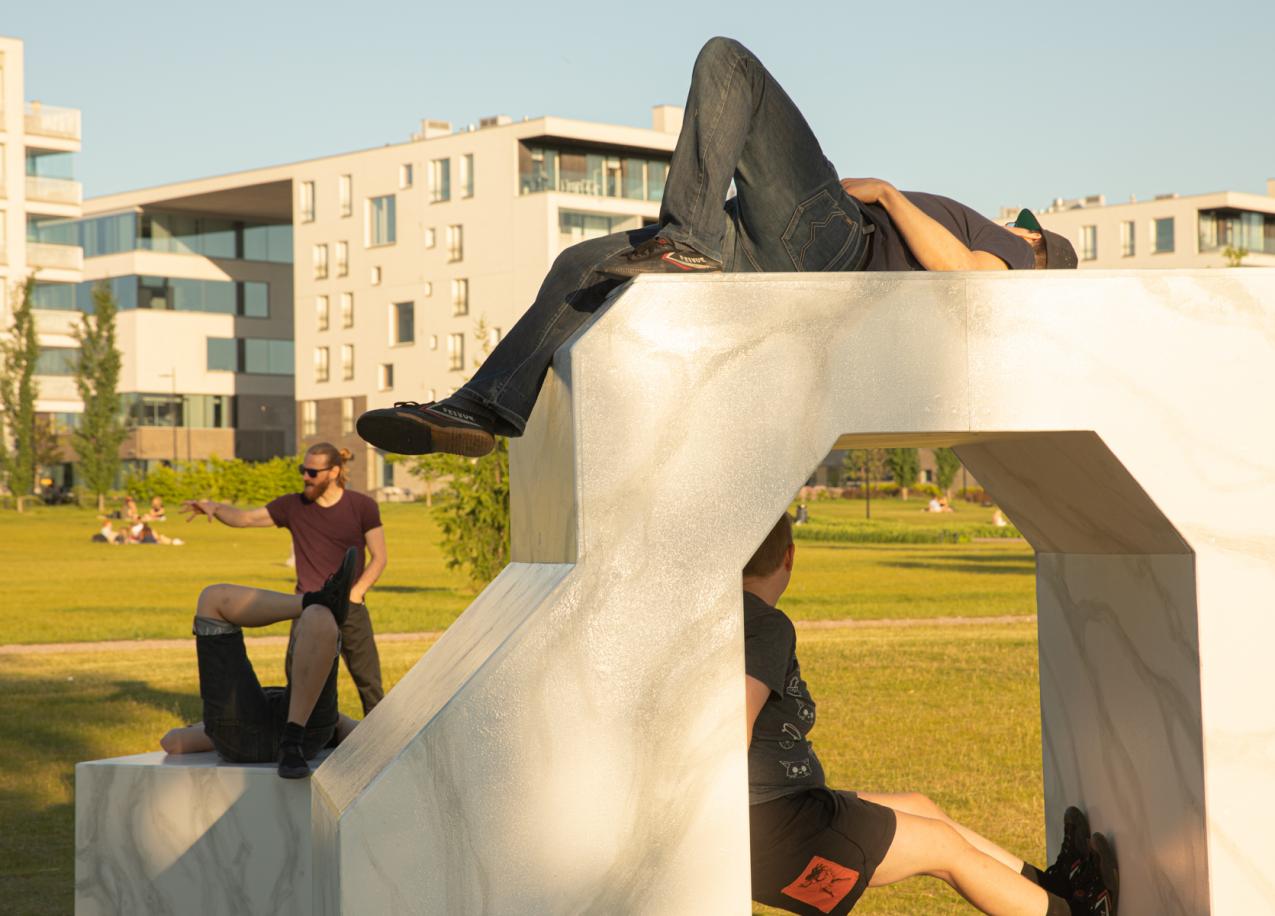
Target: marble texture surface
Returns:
[[575, 742], [156, 835]]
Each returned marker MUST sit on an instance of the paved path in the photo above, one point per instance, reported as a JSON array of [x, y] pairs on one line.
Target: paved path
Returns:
[[137, 645]]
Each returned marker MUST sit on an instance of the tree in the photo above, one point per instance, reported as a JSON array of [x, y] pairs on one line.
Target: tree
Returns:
[[905, 467], [19, 353], [946, 466], [101, 431], [474, 509], [868, 464]]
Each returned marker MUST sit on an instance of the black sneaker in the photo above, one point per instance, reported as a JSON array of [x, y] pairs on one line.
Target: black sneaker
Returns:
[[409, 428], [1060, 878], [1097, 890], [657, 256], [292, 763], [335, 594]]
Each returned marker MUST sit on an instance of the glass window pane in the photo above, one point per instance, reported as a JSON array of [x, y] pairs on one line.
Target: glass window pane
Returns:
[[256, 300], [656, 173], [222, 354]]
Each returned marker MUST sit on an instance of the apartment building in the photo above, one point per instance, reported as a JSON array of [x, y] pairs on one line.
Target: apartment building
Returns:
[[38, 145], [1167, 231], [406, 251]]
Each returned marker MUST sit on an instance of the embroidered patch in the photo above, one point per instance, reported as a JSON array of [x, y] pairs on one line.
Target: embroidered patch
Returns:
[[822, 884]]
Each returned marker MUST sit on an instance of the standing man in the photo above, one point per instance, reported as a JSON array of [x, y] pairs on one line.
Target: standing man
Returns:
[[325, 519]]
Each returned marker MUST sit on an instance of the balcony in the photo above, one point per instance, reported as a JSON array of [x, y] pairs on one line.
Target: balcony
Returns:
[[48, 121], [54, 190], [54, 257]]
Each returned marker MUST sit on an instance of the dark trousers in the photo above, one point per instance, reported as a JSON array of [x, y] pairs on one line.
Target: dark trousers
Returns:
[[789, 213], [358, 648]]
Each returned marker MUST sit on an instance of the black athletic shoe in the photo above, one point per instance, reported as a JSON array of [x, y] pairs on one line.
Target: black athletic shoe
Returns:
[[335, 594], [292, 763], [1097, 889], [409, 428], [1060, 878], [657, 256]]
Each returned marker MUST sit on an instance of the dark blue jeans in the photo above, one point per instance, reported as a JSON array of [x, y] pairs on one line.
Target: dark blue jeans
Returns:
[[789, 213]]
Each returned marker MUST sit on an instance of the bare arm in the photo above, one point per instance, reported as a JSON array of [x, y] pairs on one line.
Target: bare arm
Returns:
[[930, 241], [375, 538], [757, 694], [228, 515], [188, 740]]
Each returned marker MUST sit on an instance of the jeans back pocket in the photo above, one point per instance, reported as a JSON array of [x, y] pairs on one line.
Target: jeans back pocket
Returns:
[[821, 235]]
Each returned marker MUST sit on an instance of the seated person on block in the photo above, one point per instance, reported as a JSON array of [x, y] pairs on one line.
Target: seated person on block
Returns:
[[791, 212], [815, 850], [246, 723]]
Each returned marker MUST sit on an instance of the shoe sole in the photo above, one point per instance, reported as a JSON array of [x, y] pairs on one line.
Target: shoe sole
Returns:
[[346, 576], [407, 434], [1105, 859], [627, 273], [294, 772]]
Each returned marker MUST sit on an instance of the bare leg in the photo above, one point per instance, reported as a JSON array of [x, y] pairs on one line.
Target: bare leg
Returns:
[[924, 846], [189, 739], [247, 607], [313, 652], [923, 806]]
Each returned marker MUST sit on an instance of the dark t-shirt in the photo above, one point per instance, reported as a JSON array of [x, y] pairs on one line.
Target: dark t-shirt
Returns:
[[780, 759], [890, 252], [321, 535]]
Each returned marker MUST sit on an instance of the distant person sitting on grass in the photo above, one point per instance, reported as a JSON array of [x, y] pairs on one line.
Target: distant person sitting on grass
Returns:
[[107, 533], [245, 722], [815, 850], [156, 513]]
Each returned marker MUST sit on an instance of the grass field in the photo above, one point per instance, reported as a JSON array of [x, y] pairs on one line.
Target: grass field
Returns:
[[952, 711]]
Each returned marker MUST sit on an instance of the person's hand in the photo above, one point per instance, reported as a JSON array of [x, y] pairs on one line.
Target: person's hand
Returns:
[[866, 190], [356, 596], [194, 507]]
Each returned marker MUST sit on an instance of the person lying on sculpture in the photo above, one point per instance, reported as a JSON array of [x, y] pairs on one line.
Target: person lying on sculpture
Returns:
[[245, 722], [815, 850], [790, 213]]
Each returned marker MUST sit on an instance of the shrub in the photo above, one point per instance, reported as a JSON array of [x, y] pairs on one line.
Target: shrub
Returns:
[[894, 533], [229, 480]]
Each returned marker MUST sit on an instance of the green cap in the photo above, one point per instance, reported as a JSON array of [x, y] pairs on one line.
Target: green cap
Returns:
[[1026, 219]]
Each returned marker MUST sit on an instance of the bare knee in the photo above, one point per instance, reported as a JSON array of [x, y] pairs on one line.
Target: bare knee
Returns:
[[317, 623], [720, 49], [925, 807], [213, 601]]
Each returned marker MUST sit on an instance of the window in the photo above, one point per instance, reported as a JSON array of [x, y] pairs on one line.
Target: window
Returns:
[[455, 243], [320, 262], [427, 288], [580, 170], [223, 354], [433, 342], [57, 361], [430, 238], [347, 416], [455, 351], [347, 310], [345, 195], [402, 323], [387, 469], [320, 364], [322, 313], [342, 259], [1163, 235], [309, 418], [385, 377], [467, 175], [381, 223], [347, 362], [1227, 227], [440, 180], [460, 297], [254, 300], [1088, 243], [1128, 244], [375, 277], [405, 175], [577, 227], [306, 203], [493, 336]]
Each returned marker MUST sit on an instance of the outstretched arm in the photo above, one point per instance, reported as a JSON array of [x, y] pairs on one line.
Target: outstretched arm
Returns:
[[930, 241], [228, 515]]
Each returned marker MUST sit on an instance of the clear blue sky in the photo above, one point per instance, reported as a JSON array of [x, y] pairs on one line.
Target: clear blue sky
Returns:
[[992, 103]]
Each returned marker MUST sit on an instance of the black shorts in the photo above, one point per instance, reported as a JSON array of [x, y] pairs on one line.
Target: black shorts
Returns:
[[814, 852], [244, 720]]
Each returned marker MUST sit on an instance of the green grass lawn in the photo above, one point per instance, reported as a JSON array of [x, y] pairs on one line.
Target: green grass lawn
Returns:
[[952, 711]]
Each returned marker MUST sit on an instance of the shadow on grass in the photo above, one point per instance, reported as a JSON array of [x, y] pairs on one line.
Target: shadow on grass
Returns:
[[1001, 568], [47, 725], [413, 589]]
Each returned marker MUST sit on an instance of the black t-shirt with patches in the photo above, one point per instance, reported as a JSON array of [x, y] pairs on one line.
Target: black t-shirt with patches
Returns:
[[977, 232], [780, 759]]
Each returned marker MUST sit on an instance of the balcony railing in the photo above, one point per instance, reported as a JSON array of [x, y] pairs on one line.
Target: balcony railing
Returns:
[[54, 190], [47, 121], [59, 257]]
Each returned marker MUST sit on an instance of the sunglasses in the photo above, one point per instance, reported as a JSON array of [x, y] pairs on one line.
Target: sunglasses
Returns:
[[311, 472]]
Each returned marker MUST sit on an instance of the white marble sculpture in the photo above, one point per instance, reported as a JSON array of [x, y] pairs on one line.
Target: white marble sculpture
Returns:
[[574, 743]]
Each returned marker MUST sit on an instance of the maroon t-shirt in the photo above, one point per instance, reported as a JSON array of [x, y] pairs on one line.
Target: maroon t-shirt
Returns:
[[321, 534]]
